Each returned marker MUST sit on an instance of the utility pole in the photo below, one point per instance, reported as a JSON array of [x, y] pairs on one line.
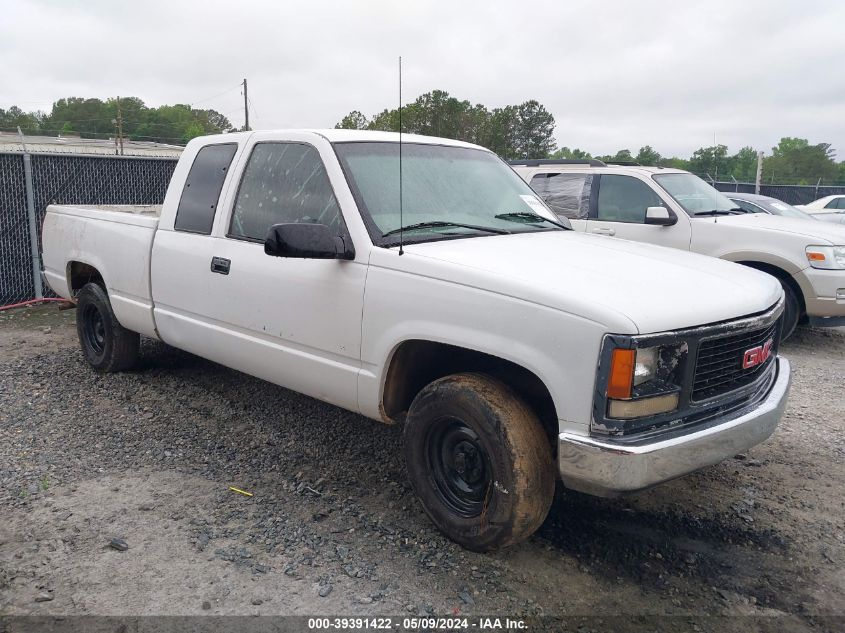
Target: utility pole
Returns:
[[759, 172], [119, 126], [246, 109]]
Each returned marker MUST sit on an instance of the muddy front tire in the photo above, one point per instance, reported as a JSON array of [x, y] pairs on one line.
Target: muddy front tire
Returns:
[[105, 343], [479, 461]]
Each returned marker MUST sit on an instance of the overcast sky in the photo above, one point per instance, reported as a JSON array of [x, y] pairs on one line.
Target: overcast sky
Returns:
[[614, 74]]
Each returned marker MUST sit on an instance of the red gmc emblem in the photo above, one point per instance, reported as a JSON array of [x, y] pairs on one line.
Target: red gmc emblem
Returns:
[[757, 355]]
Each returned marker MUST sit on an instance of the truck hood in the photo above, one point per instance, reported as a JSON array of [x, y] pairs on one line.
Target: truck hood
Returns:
[[818, 233], [629, 287]]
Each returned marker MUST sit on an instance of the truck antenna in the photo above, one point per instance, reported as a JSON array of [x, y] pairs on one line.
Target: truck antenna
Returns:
[[401, 221]]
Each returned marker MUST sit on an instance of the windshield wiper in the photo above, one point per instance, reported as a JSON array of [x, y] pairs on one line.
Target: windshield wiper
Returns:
[[530, 218], [442, 223], [733, 211]]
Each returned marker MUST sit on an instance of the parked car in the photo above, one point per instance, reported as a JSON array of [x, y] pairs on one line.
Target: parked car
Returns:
[[509, 346], [830, 203], [755, 203], [834, 217], [671, 207], [827, 209]]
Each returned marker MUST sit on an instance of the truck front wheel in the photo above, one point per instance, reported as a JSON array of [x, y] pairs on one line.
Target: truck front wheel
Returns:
[[105, 343], [479, 461], [791, 310]]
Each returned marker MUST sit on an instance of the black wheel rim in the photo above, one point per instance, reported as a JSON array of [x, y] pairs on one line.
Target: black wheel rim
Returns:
[[93, 329], [459, 465]]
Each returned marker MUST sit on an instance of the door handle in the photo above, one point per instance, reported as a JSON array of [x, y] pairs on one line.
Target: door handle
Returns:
[[220, 265], [604, 231]]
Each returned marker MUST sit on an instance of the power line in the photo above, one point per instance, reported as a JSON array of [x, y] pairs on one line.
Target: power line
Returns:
[[252, 107], [217, 95]]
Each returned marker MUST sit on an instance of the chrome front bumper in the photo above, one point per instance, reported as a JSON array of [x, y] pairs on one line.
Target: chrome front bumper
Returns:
[[605, 468]]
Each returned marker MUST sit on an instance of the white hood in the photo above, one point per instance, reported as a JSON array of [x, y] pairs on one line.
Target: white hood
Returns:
[[819, 233], [629, 287]]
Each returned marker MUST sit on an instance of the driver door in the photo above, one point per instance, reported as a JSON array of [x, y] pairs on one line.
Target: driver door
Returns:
[[619, 210], [293, 322]]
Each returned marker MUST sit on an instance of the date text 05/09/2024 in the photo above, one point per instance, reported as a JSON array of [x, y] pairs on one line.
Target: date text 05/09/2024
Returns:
[[416, 624]]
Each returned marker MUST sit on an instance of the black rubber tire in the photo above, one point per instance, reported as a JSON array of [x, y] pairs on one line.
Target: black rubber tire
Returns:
[[105, 343], [520, 477], [791, 310]]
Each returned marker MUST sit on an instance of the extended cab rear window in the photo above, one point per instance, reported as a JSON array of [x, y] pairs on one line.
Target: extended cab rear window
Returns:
[[202, 188], [568, 195]]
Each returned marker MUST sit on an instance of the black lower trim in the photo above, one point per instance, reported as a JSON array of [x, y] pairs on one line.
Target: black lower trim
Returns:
[[837, 321]]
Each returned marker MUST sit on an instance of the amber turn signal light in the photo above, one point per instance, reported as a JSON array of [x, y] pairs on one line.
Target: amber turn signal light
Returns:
[[815, 257], [621, 373]]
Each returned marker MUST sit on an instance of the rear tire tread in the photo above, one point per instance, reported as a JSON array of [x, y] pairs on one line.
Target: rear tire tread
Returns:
[[121, 345]]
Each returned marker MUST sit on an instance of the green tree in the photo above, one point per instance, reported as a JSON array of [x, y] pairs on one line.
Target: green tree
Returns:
[[89, 117], [525, 130], [675, 163], [648, 156], [353, 121], [571, 154], [29, 122], [745, 164], [193, 130], [534, 131], [712, 161], [622, 156], [795, 161]]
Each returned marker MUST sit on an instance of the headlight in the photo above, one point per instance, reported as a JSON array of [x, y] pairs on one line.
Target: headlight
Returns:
[[645, 366], [642, 381], [826, 257]]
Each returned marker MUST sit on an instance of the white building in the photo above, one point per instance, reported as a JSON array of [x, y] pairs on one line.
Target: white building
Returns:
[[70, 144]]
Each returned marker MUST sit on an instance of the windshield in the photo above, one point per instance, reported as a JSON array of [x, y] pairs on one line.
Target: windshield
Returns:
[[693, 194], [777, 207], [447, 192]]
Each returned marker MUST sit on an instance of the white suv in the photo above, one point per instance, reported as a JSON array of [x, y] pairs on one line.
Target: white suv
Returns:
[[672, 207]]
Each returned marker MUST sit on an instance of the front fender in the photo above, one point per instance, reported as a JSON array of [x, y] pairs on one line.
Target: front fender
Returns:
[[559, 348]]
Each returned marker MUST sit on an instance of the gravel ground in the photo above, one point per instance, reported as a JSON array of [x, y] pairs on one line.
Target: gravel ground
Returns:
[[332, 527]]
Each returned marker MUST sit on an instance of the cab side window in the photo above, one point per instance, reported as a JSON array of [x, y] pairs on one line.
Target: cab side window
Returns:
[[283, 183], [625, 199], [568, 195], [195, 213]]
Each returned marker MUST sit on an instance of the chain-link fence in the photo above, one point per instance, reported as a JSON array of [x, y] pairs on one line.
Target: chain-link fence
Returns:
[[64, 179], [16, 274], [791, 194]]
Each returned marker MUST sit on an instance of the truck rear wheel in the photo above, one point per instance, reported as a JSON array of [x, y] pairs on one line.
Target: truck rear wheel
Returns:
[[105, 343], [479, 461]]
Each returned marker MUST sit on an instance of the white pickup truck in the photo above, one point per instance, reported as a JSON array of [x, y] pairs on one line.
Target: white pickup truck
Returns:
[[509, 346], [672, 207]]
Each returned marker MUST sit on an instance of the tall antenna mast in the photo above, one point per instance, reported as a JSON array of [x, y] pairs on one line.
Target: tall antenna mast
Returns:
[[401, 220]]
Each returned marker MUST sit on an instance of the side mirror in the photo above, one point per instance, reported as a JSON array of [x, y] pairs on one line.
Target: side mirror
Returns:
[[306, 241], [660, 216]]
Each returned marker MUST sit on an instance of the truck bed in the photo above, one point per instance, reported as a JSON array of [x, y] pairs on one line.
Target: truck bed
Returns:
[[114, 239], [137, 209], [136, 214]]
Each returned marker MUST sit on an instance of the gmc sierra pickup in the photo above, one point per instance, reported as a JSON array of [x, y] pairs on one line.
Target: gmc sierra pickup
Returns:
[[458, 304]]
